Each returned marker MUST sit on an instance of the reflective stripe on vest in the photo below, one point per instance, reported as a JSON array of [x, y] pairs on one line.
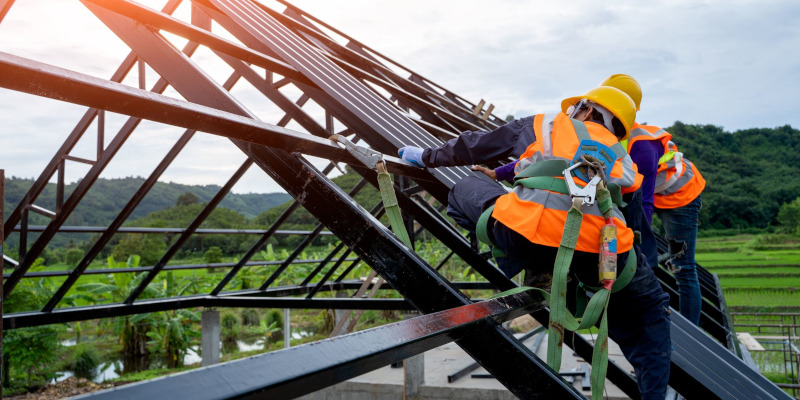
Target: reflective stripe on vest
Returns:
[[677, 181], [682, 174], [539, 215], [558, 201]]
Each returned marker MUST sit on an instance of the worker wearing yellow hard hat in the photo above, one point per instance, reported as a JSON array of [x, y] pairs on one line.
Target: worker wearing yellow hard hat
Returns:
[[527, 223], [671, 186]]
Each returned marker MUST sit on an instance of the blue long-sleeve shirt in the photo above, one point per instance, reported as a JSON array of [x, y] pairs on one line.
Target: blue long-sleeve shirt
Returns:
[[645, 153], [481, 147]]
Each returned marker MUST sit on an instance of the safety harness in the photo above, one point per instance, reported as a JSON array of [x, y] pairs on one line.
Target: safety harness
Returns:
[[547, 175]]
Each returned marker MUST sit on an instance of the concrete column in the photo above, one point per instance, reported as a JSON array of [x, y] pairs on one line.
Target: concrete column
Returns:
[[413, 371], [287, 328], [209, 341]]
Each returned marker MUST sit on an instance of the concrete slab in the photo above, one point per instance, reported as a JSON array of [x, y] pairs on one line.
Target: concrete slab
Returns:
[[387, 382]]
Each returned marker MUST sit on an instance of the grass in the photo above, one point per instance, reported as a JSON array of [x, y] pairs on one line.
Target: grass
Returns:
[[750, 282], [757, 272], [731, 272]]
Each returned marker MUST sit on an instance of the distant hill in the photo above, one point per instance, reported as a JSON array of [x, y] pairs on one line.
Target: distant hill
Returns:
[[107, 197]]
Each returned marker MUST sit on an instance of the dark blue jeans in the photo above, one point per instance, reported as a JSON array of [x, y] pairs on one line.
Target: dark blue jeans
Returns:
[[680, 226], [638, 316]]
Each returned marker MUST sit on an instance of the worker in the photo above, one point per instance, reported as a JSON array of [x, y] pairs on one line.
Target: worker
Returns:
[[527, 224], [672, 186]]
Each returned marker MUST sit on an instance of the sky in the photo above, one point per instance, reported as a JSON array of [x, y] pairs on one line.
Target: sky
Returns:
[[729, 63]]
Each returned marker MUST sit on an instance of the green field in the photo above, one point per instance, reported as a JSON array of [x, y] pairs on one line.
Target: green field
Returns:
[[757, 272]]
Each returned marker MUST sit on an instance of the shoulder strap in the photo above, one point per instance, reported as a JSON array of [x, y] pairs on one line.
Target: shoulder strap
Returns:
[[580, 130]]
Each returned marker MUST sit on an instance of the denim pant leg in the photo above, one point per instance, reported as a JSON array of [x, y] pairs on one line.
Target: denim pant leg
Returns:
[[638, 321], [467, 200], [680, 225]]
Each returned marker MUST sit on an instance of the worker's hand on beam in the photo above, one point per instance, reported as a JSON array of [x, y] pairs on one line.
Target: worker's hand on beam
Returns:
[[411, 154], [489, 172]]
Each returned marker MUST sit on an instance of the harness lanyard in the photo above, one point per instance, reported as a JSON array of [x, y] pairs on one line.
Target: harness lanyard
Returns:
[[596, 309], [374, 160], [391, 206]]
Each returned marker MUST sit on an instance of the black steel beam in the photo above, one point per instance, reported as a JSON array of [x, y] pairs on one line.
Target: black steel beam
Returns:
[[202, 231], [322, 264], [404, 270], [74, 136], [304, 369], [24, 75], [307, 241], [415, 77], [72, 314], [704, 369], [184, 237], [107, 271], [113, 228], [255, 247]]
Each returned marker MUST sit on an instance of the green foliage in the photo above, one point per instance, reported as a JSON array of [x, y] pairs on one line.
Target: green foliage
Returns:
[[107, 196], [186, 199], [172, 334], [30, 353], [149, 247], [230, 326], [789, 216], [213, 255], [74, 256], [270, 331], [747, 172], [250, 317], [274, 316], [303, 220], [85, 359]]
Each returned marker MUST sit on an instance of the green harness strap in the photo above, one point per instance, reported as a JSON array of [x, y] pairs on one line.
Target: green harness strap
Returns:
[[392, 208], [535, 177], [596, 309]]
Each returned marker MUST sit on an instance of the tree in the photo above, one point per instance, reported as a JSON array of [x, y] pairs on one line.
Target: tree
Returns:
[[789, 216], [149, 247], [74, 256], [213, 255], [186, 199]]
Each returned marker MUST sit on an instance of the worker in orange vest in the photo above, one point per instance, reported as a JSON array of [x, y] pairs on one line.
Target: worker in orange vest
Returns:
[[527, 224], [672, 186]]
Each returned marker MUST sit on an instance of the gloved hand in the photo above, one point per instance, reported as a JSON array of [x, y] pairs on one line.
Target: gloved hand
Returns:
[[411, 154]]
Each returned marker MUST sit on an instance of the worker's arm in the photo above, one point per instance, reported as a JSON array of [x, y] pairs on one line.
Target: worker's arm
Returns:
[[480, 147], [645, 153]]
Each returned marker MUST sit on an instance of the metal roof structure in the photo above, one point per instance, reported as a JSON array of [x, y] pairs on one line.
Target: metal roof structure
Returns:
[[364, 96]]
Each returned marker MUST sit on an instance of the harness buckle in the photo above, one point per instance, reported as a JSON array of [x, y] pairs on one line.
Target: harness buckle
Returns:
[[370, 158], [587, 193]]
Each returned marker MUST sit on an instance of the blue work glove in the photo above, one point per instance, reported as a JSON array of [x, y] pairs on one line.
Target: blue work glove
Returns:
[[412, 154]]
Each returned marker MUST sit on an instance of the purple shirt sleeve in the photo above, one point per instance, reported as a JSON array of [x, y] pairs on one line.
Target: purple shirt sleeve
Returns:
[[645, 153], [506, 172]]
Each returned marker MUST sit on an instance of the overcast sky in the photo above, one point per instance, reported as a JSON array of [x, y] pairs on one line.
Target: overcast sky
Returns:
[[735, 64]]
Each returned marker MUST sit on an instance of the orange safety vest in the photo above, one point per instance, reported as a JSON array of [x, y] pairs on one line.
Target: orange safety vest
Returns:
[[678, 181], [539, 215]]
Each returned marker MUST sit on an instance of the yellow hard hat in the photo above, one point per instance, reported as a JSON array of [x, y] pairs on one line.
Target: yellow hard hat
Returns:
[[627, 84], [613, 100]]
